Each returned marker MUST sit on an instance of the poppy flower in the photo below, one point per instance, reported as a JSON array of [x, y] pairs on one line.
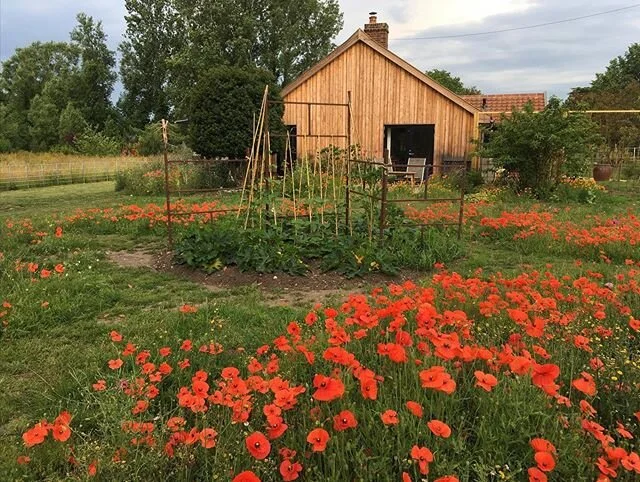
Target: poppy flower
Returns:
[[485, 381], [542, 445], [318, 439], [536, 475], [100, 385], [623, 431], [327, 388], [208, 438], [246, 476], [35, 435], [406, 477], [276, 427], [290, 470], [423, 456], [545, 461], [61, 432], [258, 445], [92, 470], [447, 478], [415, 408], [632, 462], [440, 429], [585, 384], [115, 364], [344, 420], [23, 460], [390, 417]]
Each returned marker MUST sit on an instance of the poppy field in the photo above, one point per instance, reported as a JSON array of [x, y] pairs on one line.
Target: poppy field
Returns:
[[518, 361]]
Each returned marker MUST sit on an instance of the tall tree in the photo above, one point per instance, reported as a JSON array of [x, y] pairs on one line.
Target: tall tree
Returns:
[[621, 71], [96, 76], [152, 38], [454, 84]]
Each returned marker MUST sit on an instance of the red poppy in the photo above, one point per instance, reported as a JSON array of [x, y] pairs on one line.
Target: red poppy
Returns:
[[246, 476], [632, 462], [423, 456], [115, 364], [23, 460], [275, 427], [485, 381], [390, 417], [439, 428], [208, 438], [542, 445], [100, 385], [585, 384], [318, 439], [536, 475], [447, 478], [415, 408], [290, 470], [545, 461], [327, 388], [344, 421], [35, 435], [258, 445]]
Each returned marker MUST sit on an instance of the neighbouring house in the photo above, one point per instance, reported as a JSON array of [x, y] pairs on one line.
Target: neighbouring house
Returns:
[[494, 104], [397, 111]]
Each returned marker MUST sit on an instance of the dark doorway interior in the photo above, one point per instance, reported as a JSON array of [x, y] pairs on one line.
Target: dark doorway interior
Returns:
[[409, 141]]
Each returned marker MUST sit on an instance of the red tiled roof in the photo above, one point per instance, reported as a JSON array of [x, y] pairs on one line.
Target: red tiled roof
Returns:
[[504, 103]]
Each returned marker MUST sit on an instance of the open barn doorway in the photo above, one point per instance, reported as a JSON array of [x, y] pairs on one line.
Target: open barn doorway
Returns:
[[404, 142]]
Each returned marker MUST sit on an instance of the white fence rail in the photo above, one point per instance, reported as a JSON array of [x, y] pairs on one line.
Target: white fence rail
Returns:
[[21, 175]]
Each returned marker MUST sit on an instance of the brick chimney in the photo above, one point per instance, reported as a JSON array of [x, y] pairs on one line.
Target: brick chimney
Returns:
[[377, 31]]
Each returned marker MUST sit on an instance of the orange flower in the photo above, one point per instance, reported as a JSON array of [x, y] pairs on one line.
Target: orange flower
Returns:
[[258, 445], [208, 438], [585, 384], [246, 476], [45, 273], [188, 309], [536, 475], [439, 428], [542, 445], [115, 336], [545, 461], [100, 385], [415, 408], [344, 420], [423, 456], [115, 364], [141, 406], [390, 417], [447, 478], [632, 462], [485, 381], [290, 470], [59, 268], [327, 389], [623, 431], [61, 430], [92, 470], [23, 460], [318, 439], [35, 435]]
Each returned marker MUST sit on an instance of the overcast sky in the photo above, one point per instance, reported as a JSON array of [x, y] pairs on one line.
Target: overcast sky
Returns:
[[550, 59]]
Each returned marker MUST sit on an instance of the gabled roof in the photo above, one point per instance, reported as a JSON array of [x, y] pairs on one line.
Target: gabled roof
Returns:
[[504, 103], [360, 36]]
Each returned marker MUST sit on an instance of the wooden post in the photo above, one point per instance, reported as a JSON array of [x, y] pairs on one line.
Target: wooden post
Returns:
[[461, 216], [165, 140], [383, 204], [348, 178], [475, 162]]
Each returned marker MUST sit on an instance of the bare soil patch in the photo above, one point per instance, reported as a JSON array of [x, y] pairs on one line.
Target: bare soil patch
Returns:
[[132, 259]]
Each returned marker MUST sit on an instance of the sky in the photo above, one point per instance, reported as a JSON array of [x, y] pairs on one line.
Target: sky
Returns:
[[551, 59]]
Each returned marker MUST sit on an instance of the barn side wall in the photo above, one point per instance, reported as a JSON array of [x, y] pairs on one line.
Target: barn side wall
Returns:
[[382, 94]]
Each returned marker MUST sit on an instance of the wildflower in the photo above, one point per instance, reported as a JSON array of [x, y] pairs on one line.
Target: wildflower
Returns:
[[115, 364], [585, 384], [415, 408], [35, 435], [423, 456], [115, 336], [23, 460], [258, 445], [92, 470], [246, 476], [542, 445], [390, 417], [188, 309], [632, 462], [208, 438], [327, 389], [485, 381], [100, 386], [439, 428], [447, 478], [344, 420], [536, 475], [623, 431], [290, 470], [318, 439], [545, 461]]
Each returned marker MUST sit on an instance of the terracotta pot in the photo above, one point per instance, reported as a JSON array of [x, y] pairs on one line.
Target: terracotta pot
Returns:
[[602, 172]]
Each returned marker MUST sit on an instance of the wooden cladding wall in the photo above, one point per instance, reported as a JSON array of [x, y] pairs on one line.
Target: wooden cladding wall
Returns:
[[382, 94]]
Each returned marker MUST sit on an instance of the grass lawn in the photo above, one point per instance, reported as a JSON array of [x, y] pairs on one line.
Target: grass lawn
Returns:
[[57, 336]]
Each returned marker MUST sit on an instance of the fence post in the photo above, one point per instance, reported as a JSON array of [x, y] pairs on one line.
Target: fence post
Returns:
[[27, 172], [383, 205], [347, 198]]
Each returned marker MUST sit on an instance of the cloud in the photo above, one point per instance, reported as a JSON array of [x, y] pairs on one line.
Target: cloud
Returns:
[[552, 59]]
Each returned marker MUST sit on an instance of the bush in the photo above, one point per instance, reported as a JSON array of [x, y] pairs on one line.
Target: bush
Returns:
[[93, 143], [223, 104], [542, 147]]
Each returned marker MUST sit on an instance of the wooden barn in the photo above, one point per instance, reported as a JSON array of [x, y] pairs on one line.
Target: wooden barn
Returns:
[[396, 109]]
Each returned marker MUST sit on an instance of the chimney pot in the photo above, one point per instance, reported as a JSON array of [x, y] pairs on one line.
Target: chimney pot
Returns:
[[379, 32]]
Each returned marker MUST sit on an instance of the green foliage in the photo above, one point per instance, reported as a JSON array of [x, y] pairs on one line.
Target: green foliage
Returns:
[[539, 148], [150, 140], [223, 104], [94, 143], [454, 84], [43, 124], [72, 124], [292, 245]]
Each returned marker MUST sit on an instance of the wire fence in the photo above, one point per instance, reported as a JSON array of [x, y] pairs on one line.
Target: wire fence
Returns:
[[23, 175]]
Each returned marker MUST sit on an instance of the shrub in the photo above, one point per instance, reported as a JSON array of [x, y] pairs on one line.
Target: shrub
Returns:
[[223, 105], [94, 143], [542, 147]]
